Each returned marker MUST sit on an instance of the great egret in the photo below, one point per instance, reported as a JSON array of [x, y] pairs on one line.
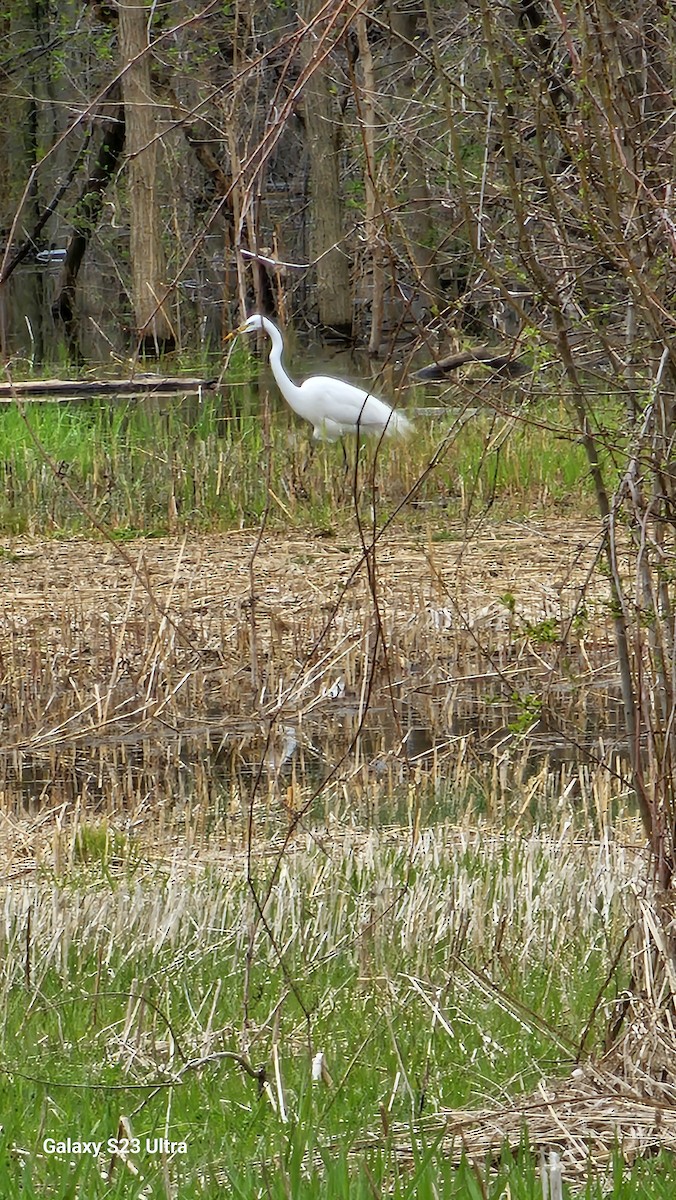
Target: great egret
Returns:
[[331, 405]]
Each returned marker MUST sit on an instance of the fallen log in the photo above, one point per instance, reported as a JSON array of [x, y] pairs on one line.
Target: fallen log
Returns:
[[80, 389]]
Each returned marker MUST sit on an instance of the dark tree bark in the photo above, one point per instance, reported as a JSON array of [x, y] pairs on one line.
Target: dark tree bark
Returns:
[[148, 262], [322, 119], [86, 213], [27, 247], [26, 28], [418, 220]]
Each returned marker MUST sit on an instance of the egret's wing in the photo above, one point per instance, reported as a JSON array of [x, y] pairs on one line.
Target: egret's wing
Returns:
[[339, 403]]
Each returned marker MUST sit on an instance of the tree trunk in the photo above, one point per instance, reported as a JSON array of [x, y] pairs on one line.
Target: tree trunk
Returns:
[[23, 144], [611, 157], [418, 223], [373, 222], [148, 264], [85, 215], [323, 127]]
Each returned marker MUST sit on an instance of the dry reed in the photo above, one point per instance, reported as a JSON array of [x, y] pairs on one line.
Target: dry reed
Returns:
[[103, 696]]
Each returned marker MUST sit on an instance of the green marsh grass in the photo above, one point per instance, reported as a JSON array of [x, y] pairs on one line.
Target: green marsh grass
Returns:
[[445, 973], [152, 466]]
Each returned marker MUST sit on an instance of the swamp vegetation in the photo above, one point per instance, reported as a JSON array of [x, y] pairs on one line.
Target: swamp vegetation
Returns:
[[338, 793], [341, 887]]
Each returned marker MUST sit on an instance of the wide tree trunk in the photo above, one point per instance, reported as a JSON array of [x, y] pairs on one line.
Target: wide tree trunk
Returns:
[[417, 223], [323, 124], [21, 146], [148, 264]]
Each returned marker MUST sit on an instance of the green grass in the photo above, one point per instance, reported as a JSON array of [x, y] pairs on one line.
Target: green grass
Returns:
[[454, 977], [167, 465]]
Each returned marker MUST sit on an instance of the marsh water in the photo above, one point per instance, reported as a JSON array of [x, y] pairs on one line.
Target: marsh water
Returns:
[[367, 762]]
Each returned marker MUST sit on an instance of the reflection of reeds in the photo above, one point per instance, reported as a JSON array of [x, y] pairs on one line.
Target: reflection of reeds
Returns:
[[107, 700]]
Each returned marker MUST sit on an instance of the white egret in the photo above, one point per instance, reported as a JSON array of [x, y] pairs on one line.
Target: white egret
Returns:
[[333, 406]]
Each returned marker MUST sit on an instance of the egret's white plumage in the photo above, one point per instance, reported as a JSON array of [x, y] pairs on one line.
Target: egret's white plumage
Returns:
[[331, 405]]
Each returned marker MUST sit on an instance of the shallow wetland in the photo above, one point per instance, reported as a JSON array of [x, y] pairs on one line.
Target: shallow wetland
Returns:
[[205, 667], [318, 827]]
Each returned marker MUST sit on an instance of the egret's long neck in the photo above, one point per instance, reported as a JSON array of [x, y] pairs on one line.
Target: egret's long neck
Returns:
[[276, 350], [290, 391]]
